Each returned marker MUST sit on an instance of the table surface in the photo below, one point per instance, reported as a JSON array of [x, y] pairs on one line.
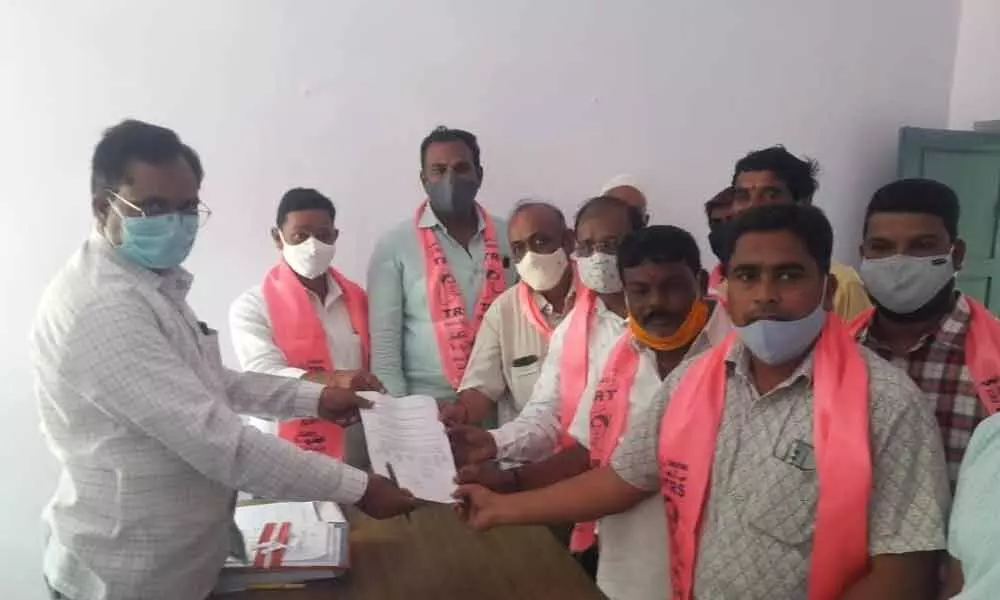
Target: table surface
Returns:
[[436, 557]]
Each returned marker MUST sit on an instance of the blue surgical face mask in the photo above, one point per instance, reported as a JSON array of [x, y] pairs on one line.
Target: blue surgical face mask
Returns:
[[160, 242], [777, 342]]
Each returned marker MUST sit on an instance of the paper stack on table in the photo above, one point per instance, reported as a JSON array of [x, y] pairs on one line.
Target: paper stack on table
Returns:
[[406, 433], [287, 542]]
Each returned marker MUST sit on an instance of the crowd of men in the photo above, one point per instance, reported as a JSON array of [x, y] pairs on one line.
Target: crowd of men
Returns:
[[776, 425]]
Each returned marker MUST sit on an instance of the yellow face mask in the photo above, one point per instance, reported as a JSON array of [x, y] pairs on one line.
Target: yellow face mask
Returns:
[[685, 334]]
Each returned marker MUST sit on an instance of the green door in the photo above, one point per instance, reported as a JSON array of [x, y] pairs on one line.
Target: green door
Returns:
[[970, 163]]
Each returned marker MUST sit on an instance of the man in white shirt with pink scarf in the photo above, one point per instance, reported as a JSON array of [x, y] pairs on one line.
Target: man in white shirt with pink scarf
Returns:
[[307, 320]]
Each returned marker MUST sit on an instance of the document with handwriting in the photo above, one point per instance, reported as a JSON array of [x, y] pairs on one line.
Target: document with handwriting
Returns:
[[407, 433]]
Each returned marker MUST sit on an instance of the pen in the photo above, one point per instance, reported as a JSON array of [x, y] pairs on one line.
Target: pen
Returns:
[[395, 482], [275, 586]]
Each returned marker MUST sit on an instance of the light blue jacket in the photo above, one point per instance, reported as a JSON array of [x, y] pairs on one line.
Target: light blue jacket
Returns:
[[405, 355]]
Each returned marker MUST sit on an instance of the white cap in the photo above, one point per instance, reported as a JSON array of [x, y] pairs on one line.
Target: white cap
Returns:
[[623, 180]]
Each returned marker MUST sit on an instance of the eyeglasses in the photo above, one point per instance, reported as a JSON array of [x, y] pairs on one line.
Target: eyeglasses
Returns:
[[156, 207], [604, 247]]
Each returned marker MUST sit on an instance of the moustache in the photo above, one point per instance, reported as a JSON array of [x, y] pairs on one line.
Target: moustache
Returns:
[[658, 317]]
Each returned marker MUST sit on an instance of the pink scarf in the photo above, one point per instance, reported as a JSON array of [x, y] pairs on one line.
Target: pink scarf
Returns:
[[455, 333], [608, 417], [840, 434], [299, 334], [573, 367], [982, 350]]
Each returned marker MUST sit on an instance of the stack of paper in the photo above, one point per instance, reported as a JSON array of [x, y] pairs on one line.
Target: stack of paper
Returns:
[[407, 434], [287, 542]]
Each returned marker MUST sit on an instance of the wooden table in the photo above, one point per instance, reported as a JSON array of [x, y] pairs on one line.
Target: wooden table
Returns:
[[436, 557]]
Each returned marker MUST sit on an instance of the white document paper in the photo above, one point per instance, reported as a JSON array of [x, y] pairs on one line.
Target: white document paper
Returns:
[[407, 433]]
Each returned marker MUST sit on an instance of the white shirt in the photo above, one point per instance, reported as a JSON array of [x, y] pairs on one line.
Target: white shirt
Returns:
[[136, 405], [506, 339], [253, 341], [632, 564], [633, 559], [534, 434], [250, 322]]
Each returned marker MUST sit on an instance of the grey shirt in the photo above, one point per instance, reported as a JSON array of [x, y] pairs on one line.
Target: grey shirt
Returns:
[[759, 517]]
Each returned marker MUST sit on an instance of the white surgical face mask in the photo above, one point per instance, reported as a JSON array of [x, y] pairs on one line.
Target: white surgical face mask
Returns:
[[542, 272], [309, 259], [599, 272], [777, 342], [904, 283]]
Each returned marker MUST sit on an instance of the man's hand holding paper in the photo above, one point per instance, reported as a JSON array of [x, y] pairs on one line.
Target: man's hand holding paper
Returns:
[[407, 434]]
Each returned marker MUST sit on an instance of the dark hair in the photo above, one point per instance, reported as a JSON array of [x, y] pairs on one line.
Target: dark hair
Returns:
[[527, 203], [659, 244], [805, 221], [443, 133], [723, 198], [636, 219], [921, 196], [133, 140], [303, 199], [799, 175]]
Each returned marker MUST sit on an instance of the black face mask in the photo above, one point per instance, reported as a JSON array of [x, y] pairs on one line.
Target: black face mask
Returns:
[[452, 195], [717, 238], [940, 305]]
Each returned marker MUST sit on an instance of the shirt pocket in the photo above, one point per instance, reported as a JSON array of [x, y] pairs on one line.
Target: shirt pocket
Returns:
[[208, 343], [523, 381], [783, 506]]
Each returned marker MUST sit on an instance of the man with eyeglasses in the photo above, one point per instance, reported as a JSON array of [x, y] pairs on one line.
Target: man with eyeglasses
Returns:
[[136, 405], [595, 323], [307, 320], [514, 337]]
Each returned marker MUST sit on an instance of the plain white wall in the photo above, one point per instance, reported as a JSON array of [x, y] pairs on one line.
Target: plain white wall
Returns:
[[337, 95], [975, 93]]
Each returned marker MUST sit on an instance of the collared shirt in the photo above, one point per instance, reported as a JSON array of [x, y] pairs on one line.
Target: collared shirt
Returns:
[[974, 533], [405, 354], [937, 365], [622, 572], [137, 406], [507, 357], [253, 340], [534, 434], [759, 515], [850, 299]]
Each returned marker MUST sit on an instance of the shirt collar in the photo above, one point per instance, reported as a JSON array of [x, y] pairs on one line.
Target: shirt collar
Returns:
[[429, 220], [951, 332], [175, 282], [738, 361], [546, 307], [601, 311], [333, 291]]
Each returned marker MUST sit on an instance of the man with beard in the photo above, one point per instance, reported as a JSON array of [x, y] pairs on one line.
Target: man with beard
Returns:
[[947, 342]]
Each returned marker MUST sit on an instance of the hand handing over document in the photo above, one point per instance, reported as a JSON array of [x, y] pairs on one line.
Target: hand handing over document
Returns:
[[406, 436]]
